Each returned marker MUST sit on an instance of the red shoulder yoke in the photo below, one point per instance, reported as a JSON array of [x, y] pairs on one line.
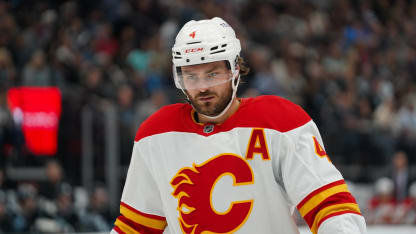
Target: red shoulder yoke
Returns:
[[269, 112]]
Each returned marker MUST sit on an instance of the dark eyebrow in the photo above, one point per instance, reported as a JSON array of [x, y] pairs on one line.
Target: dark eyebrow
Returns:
[[209, 71], [212, 69], [188, 73]]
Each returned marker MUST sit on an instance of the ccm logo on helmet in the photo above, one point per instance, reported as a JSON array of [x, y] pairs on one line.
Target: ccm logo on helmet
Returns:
[[193, 50]]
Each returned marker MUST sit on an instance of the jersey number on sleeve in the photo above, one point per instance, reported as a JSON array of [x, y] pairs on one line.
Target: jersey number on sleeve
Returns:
[[319, 150]]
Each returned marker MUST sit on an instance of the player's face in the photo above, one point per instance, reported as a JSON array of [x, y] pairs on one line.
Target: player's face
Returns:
[[208, 99]]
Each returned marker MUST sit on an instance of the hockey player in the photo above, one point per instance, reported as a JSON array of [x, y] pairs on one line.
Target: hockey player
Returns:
[[223, 164]]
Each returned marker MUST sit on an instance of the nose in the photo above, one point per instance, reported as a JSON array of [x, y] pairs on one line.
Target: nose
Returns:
[[203, 90], [203, 86]]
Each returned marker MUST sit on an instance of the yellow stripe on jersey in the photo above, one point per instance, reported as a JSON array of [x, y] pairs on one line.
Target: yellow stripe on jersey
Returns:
[[125, 227], [333, 209], [318, 198], [145, 221]]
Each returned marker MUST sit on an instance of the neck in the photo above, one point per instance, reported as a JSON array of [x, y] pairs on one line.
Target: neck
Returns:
[[221, 119]]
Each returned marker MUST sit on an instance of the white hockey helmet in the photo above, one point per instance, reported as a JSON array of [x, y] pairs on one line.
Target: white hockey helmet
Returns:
[[205, 41]]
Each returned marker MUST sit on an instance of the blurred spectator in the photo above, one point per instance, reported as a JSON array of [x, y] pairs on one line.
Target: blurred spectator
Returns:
[[126, 115], [28, 210], [97, 89], [125, 100], [99, 203], [406, 210], [400, 174], [66, 215], [7, 69], [406, 126], [5, 216], [11, 138], [382, 206], [407, 119], [385, 119], [37, 72], [5, 183], [264, 80], [98, 216], [8, 25], [149, 106], [105, 43], [2, 179], [51, 188]]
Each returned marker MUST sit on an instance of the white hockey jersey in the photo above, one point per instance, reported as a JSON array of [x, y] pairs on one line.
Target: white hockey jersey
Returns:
[[241, 176]]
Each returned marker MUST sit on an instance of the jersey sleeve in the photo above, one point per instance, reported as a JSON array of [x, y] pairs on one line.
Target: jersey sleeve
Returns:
[[141, 206], [315, 186]]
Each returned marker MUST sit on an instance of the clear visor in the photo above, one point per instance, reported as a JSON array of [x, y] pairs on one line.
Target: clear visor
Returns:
[[192, 81]]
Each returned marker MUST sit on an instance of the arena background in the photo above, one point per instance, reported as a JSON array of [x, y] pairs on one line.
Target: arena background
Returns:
[[78, 77]]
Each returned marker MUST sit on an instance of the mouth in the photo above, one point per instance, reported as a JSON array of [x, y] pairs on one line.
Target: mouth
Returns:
[[207, 98]]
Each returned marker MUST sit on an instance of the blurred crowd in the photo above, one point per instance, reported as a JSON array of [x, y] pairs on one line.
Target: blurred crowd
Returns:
[[52, 205], [350, 64]]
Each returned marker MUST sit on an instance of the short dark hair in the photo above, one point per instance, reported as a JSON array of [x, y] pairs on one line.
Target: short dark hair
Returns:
[[244, 69]]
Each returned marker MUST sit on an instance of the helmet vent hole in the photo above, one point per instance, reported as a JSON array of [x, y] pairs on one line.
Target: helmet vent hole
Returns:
[[187, 60], [202, 58], [224, 45], [219, 51], [214, 48], [178, 53], [195, 42]]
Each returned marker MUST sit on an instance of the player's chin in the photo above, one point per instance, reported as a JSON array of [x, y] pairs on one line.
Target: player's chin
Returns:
[[208, 111], [205, 105]]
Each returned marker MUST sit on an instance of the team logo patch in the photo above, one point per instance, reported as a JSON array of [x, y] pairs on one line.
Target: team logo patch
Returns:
[[208, 128], [193, 188], [192, 34]]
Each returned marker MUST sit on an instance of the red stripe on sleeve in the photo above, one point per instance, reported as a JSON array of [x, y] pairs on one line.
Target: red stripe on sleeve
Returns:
[[325, 187], [339, 198], [151, 216], [118, 230], [336, 214], [138, 227]]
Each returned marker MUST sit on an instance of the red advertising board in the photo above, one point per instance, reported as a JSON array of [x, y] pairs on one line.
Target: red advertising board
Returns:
[[37, 110]]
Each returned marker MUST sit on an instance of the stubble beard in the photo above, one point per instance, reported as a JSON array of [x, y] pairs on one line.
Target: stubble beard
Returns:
[[210, 108]]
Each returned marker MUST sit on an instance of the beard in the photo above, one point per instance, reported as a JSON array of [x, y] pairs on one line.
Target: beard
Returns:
[[211, 108]]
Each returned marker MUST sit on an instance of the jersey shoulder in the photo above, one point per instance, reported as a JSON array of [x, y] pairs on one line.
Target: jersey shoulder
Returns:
[[275, 112], [166, 119]]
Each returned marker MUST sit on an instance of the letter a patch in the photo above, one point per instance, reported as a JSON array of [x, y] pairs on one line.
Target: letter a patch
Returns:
[[257, 145]]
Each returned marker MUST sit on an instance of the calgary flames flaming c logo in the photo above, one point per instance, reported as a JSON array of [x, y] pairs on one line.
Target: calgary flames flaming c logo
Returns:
[[193, 189]]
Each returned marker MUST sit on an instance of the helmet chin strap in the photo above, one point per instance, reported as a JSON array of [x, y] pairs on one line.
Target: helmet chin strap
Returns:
[[234, 87]]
